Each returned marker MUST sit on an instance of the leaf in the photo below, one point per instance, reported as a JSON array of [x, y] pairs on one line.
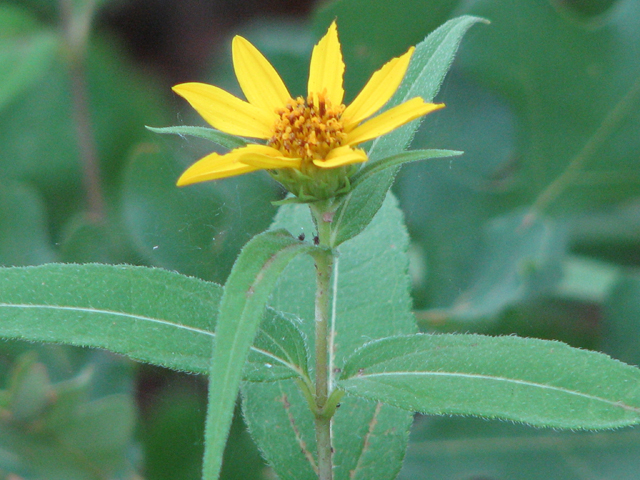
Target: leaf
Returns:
[[68, 433], [370, 169], [429, 65], [25, 238], [282, 337], [620, 326], [546, 65], [223, 139], [472, 448], [242, 306], [26, 52], [148, 314], [140, 312], [539, 382], [518, 259], [372, 265]]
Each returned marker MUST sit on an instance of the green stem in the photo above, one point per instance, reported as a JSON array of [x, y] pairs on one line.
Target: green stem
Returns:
[[323, 390], [76, 32]]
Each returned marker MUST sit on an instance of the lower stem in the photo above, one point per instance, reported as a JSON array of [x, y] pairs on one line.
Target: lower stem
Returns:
[[324, 267]]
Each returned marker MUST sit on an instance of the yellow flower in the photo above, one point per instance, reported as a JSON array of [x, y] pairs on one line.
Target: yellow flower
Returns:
[[305, 138]]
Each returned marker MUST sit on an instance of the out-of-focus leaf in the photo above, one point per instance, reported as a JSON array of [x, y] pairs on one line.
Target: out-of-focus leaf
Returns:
[[587, 279], [447, 203], [521, 258], [24, 239], [539, 382], [172, 435], [456, 447], [70, 435], [371, 264], [26, 52], [197, 230], [29, 389], [521, 104], [621, 322], [38, 133], [84, 239], [574, 91]]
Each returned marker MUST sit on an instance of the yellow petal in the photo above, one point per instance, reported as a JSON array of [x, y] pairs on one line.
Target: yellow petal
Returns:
[[259, 81], [265, 157], [226, 112], [327, 67], [268, 163], [378, 90], [342, 156], [390, 120], [215, 166]]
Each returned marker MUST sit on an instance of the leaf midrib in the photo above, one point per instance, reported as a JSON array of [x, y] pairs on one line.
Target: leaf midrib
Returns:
[[168, 323], [365, 376]]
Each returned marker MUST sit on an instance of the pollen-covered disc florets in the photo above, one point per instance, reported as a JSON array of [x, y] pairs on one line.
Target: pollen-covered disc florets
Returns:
[[308, 130]]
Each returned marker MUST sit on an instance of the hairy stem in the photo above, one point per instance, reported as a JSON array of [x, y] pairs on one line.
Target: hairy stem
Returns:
[[324, 267]]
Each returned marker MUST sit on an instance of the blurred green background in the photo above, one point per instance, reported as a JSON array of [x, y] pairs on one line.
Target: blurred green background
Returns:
[[535, 231]]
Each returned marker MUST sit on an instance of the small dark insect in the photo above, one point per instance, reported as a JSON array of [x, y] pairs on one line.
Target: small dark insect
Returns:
[[301, 237], [316, 240]]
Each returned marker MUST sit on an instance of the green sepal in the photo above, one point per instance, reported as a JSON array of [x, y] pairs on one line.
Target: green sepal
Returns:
[[220, 138]]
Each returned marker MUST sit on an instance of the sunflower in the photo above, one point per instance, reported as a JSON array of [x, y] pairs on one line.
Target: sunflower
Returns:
[[309, 144]]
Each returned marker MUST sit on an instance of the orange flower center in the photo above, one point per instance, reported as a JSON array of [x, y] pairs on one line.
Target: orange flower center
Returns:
[[308, 130]]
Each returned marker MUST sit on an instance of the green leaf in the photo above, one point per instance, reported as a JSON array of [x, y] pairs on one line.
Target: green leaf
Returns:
[[223, 139], [519, 258], [620, 326], [472, 448], [371, 169], [246, 292], [29, 389], [539, 382], [139, 312], [588, 280], [25, 238], [429, 65], [26, 52], [545, 66], [69, 435], [368, 437], [282, 337]]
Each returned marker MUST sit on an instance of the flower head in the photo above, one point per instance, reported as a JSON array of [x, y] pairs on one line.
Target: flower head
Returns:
[[310, 143]]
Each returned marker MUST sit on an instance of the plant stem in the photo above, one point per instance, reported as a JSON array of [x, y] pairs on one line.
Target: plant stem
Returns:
[[76, 32], [324, 267]]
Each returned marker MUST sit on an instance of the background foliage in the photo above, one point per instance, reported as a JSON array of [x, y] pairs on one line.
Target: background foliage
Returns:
[[534, 231]]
